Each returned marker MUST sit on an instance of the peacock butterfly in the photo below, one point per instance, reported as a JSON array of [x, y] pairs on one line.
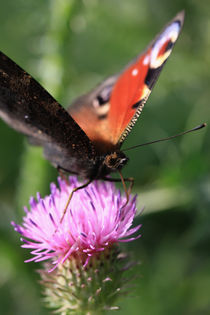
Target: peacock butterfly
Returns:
[[86, 138]]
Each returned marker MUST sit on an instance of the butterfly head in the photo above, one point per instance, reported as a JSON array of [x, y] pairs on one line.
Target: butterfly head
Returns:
[[115, 161]]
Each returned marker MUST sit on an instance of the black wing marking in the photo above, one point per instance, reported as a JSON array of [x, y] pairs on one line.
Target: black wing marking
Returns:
[[90, 112], [30, 109]]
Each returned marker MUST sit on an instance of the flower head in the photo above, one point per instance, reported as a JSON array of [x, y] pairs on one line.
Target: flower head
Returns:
[[96, 218]]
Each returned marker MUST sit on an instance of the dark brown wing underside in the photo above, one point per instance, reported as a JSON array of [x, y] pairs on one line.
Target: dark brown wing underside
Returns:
[[30, 109]]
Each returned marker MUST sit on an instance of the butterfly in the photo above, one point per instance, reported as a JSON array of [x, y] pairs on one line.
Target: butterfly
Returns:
[[86, 138]]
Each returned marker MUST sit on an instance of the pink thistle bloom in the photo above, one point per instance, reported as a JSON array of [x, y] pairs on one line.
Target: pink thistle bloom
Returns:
[[96, 219]]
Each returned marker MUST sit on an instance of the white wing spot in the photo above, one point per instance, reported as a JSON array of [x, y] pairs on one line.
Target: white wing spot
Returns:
[[101, 110], [135, 72], [146, 60]]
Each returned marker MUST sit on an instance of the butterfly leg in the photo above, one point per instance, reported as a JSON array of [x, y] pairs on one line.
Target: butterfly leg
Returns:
[[62, 174], [127, 191], [131, 183], [62, 170], [71, 195], [118, 180], [123, 180]]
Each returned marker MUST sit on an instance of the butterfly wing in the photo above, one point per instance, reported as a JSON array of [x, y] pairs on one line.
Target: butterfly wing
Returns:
[[108, 114], [91, 111], [30, 109]]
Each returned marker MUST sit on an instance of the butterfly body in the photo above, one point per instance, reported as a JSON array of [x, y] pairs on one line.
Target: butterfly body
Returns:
[[86, 138], [110, 162]]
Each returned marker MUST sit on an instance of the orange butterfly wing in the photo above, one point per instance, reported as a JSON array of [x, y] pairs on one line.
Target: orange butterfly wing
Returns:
[[108, 113], [134, 86]]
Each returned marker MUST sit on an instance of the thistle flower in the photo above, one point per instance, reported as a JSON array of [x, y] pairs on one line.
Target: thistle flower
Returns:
[[82, 244]]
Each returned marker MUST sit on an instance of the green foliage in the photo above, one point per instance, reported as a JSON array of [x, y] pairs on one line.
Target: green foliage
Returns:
[[70, 46]]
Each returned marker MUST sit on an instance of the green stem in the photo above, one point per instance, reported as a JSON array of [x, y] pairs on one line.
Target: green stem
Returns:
[[35, 171]]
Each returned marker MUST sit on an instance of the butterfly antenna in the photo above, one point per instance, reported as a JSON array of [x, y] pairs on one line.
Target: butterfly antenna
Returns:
[[167, 138]]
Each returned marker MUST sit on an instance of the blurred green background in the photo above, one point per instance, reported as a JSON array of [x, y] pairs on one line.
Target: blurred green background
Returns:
[[70, 46]]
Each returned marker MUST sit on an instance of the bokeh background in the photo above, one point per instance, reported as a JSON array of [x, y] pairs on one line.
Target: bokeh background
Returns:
[[70, 46]]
